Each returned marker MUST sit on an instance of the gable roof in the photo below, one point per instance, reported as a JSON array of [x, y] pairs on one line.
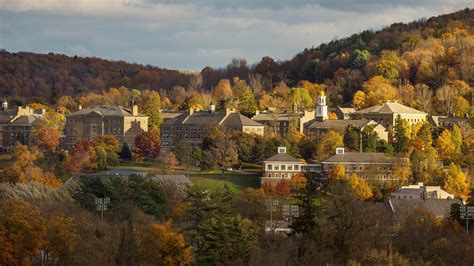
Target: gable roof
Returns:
[[197, 118], [437, 207], [361, 157], [7, 115], [390, 107], [105, 110], [237, 119], [346, 110], [25, 120], [335, 124], [282, 157], [274, 116]]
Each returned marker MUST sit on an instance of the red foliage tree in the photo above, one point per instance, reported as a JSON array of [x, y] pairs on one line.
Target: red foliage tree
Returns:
[[283, 188], [147, 144]]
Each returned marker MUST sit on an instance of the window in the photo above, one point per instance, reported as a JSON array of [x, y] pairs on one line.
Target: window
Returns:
[[269, 175], [290, 167], [297, 167], [276, 167], [283, 167], [269, 167]]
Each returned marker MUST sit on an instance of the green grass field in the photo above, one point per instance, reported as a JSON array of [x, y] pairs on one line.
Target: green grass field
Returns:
[[236, 181]]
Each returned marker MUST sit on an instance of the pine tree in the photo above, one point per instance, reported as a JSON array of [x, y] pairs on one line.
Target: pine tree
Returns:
[[352, 138], [400, 141], [125, 153]]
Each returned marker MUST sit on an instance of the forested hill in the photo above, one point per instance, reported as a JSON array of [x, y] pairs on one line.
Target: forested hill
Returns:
[[428, 53], [48, 75]]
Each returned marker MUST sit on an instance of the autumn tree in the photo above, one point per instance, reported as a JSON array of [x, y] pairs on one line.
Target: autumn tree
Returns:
[[47, 138], [377, 90], [61, 239], [219, 150], [298, 181], [301, 97], [327, 145], [400, 139], [388, 65], [352, 137], [106, 151], [251, 205], [283, 189], [170, 162], [338, 172], [152, 110], [223, 90], [359, 100], [247, 103], [161, 245], [456, 182], [445, 145], [147, 145], [360, 186], [22, 232]]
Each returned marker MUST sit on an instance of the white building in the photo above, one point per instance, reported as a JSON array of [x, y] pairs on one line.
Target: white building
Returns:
[[281, 166], [420, 191]]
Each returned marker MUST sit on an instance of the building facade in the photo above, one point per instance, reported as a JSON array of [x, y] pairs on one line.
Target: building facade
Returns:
[[18, 125], [86, 124], [280, 123], [420, 191], [280, 166], [193, 126], [386, 114]]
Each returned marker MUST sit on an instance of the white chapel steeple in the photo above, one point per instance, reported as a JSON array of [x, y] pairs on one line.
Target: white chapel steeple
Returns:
[[321, 107]]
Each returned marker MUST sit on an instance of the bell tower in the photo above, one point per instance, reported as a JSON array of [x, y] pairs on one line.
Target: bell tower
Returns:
[[321, 107]]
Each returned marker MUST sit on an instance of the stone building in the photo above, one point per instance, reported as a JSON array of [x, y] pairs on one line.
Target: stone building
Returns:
[[386, 114], [280, 166], [368, 165], [421, 191], [17, 125], [193, 126], [279, 123], [321, 124], [87, 124], [344, 113]]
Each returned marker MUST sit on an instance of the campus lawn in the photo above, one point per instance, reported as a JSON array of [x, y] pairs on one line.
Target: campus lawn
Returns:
[[237, 181]]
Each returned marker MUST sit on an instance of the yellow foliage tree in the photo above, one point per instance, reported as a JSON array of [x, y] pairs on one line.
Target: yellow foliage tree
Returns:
[[378, 89], [160, 245], [359, 100], [223, 90], [328, 143], [360, 187], [298, 181], [445, 145], [456, 182], [338, 172], [332, 116]]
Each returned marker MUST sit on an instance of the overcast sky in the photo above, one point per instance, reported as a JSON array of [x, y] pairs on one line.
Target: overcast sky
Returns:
[[184, 34]]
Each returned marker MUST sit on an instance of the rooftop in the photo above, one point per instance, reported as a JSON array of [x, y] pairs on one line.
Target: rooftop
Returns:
[[437, 207], [212, 119], [333, 123], [361, 157], [237, 119], [105, 110], [282, 157], [390, 107]]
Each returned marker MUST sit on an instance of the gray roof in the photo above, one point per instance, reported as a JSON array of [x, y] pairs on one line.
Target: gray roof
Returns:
[[361, 157], [437, 207], [237, 119], [335, 124], [346, 110], [170, 114], [105, 110], [273, 116], [26, 120], [282, 157], [390, 107], [6, 116], [197, 118], [178, 179]]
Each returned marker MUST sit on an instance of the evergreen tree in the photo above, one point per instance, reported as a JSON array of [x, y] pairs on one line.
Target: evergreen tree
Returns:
[[310, 205], [247, 102], [369, 139], [125, 153], [400, 141], [352, 138]]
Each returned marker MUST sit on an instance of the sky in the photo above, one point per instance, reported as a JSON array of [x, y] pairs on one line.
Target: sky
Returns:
[[189, 35]]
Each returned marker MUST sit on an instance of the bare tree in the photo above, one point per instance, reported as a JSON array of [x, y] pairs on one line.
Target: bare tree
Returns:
[[423, 95], [255, 81], [195, 83], [446, 96]]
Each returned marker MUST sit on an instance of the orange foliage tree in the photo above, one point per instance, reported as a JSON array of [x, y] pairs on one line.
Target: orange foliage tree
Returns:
[[47, 138], [22, 232], [283, 188], [161, 245], [298, 181]]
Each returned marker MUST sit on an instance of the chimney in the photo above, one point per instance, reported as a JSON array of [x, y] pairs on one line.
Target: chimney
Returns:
[[191, 110], [340, 150], [212, 108], [80, 106], [5, 105], [135, 110]]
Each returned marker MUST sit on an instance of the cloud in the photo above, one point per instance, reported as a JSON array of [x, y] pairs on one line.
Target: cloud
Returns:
[[189, 34]]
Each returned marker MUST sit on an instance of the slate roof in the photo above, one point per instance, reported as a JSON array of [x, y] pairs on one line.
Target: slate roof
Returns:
[[336, 124], [437, 207], [282, 157], [237, 119], [389, 107], [272, 116], [361, 157], [170, 114], [25, 120], [178, 179], [105, 110], [6, 116]]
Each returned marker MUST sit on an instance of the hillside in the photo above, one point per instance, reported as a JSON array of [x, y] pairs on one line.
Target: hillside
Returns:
[[48, 75]]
